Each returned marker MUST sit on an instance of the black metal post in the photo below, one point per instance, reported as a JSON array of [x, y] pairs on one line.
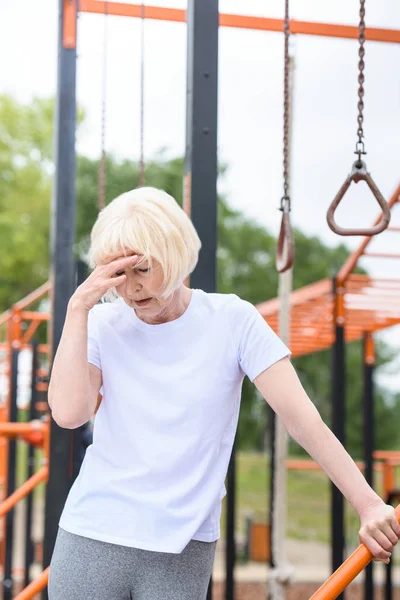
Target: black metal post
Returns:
[[200, 196], [12, 459], [272, 429], [62, 266], [230, 555], [201, 134], [368, 409], [29, 550], [338, 424]]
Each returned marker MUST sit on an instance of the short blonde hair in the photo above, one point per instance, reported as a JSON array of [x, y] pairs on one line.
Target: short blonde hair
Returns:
[[150, 222]]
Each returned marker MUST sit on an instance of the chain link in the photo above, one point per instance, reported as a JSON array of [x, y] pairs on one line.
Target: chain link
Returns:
[[361, 65], [285, 201]]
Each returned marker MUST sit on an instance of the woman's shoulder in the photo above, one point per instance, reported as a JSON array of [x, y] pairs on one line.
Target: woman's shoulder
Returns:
[[227, 302]]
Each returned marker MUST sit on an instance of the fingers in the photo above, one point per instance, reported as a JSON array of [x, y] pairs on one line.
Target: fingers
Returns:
[[120, 263], [379, 538], [395, 526]]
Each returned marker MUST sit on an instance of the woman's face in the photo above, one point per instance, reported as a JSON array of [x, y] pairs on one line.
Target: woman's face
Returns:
[[143, 287]]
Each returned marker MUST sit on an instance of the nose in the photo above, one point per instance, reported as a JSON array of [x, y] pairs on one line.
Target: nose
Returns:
[[133, 286]]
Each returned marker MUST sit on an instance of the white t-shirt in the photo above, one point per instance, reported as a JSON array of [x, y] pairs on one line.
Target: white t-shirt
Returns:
[[154, 476]]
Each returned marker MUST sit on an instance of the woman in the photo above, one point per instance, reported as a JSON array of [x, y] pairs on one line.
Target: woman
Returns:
[[142, 518]]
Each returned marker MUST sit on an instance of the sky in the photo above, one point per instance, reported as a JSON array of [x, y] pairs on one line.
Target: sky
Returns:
[[250, 104]]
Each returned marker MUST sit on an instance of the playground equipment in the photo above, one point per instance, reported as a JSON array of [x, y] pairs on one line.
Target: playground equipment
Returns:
[[333, 306]]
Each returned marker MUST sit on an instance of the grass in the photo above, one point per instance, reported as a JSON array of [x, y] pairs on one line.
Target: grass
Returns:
[[308, 501]]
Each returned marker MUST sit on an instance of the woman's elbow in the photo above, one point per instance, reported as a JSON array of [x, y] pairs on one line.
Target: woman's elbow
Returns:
[[68, 421]]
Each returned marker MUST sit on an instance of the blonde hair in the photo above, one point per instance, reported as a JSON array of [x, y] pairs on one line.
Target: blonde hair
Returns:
[[149, 222]]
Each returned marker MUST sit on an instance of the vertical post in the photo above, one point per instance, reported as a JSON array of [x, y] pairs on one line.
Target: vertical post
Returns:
[[368, 411], [200, 189], [230, 557], [200, 179], [29, 553], [62, 262], [338, 421], [12, 459]]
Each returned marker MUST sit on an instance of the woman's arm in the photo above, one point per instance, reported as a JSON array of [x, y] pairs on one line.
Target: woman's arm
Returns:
[[74, 383], [281, 388]]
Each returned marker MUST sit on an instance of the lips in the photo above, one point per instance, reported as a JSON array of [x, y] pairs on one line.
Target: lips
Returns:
[[142, 302]]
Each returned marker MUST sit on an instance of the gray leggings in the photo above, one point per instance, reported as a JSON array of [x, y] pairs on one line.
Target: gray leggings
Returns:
[[86, 569]]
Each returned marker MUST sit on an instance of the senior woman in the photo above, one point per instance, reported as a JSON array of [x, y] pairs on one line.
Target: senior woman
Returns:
[[142, 518]]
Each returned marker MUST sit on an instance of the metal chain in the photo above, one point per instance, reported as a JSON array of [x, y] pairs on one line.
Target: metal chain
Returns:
[[285, 201], [141, 164], [361, 65], [102, 169]]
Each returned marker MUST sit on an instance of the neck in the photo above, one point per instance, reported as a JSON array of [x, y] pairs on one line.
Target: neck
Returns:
[[173, 308]]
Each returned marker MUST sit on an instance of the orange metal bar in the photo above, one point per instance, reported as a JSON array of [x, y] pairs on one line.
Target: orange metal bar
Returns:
[[242, 21], [309, 292], [353, 259], [35, 587], [386, 454], [10, 429], [389, 481], [23, 491], [27, 315], [369, 352], [69, 21], [346, 572], [30, 332]]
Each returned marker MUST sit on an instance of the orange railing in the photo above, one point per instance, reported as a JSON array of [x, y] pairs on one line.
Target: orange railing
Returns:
[[345, 574], [35, 587]]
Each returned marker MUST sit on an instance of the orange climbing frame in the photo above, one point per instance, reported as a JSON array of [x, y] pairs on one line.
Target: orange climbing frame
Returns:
[[177, 15]]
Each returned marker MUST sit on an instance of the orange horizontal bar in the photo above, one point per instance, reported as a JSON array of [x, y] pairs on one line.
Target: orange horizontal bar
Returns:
[[241, 21], [27, 315], [36, 586], [14, 429], [348, 571], [386, 454], [23, 491]]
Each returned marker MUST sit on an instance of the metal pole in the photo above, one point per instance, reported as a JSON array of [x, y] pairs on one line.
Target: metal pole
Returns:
[[62, 263], [29, 551], [201, 135], [230, 556], [201, 169], [368, 406], [338, 423], [12, 459]]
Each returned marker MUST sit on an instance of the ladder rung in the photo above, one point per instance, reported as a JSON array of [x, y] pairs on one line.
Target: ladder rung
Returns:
[[393, 229]]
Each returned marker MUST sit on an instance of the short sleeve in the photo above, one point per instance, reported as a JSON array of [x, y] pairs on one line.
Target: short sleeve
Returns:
[[258, 346], [93, 351]]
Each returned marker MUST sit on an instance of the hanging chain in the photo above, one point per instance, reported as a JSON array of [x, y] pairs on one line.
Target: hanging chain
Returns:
[[141, 163], [361, 65], [285, 201], [102, 169]]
